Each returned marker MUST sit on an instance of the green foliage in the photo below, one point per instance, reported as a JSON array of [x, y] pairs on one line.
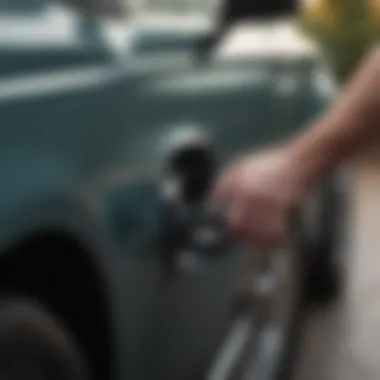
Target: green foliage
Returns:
[[345, 36]]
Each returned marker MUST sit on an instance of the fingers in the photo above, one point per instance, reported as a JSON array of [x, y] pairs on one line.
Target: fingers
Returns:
[[252, 195], [263, 224], [270, 233], [253, 214]]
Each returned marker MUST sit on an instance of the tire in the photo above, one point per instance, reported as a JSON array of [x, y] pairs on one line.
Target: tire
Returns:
[[324, 272], [35, 345]]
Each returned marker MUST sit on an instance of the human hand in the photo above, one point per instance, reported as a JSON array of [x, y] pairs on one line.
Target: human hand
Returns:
[[259, 193]]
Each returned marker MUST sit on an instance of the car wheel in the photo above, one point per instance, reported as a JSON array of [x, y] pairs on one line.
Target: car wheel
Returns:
[[325, 219], [35, 345], [263, 339]]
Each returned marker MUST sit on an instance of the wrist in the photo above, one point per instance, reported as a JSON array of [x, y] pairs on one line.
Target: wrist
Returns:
[[313, 158]]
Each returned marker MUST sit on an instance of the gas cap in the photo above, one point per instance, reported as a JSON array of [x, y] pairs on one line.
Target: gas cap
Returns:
[[188, 166]]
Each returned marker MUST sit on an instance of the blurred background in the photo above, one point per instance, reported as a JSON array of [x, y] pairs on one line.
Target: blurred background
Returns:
[[145, 38]]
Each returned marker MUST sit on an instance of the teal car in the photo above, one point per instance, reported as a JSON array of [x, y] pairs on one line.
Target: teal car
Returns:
[[112, 132]]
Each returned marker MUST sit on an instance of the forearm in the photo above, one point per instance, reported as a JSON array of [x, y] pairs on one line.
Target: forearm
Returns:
[[352, 124]]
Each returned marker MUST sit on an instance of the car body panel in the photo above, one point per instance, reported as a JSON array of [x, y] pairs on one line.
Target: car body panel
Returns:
[[82, 140]]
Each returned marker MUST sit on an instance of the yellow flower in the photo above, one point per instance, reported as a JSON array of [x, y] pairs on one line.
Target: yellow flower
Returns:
[[345, 28], [374, 6], [312, 9], [318, 10]]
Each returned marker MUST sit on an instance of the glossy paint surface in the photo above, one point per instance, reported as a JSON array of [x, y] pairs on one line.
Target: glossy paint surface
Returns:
[[85, 125]]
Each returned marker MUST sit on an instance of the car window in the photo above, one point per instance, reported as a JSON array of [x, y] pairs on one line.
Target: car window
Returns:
[[178, 6], [179, 14], [27, 27]]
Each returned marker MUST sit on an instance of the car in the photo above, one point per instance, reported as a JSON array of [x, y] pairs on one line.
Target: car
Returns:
[[112, 131]]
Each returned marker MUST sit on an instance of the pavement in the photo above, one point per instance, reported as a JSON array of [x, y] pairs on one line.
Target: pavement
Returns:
[[341, 341]]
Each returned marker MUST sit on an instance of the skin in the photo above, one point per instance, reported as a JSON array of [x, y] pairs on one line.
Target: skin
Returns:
[[260, 191]]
